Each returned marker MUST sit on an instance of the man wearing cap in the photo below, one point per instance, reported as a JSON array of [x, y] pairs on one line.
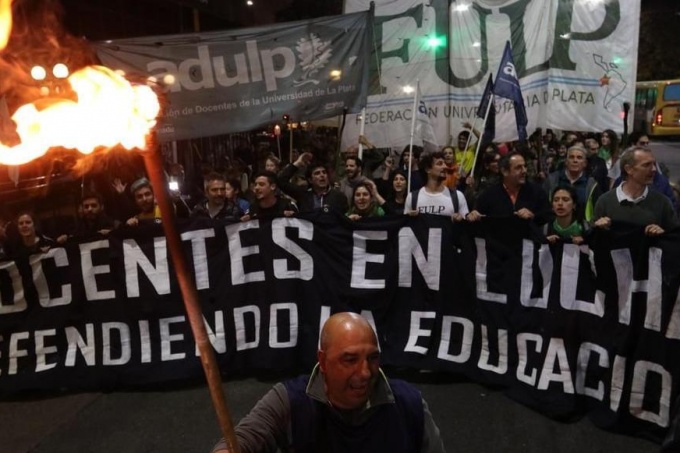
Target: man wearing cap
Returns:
[[142, 192]]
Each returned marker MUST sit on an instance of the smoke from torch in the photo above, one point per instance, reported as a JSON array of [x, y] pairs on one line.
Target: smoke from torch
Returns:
[[96, 108]]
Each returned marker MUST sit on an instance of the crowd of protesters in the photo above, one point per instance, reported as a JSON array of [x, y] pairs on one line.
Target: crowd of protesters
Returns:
[[567, 186]]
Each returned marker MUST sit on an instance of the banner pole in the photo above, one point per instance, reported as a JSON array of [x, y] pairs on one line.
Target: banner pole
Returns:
[[278, 145], [413, 130], [469, 139], [362, 128], [479, 142], [154, 168]]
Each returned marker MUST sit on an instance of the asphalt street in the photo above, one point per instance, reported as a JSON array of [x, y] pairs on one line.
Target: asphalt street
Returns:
[[472, 418]]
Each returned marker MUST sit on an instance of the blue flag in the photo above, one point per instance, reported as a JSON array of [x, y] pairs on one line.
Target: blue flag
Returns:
[[489, 127], [490, 120], [486, 98], [507, 86]]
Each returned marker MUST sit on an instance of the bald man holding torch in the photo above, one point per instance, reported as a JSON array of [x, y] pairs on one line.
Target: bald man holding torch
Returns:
[[346, 404]]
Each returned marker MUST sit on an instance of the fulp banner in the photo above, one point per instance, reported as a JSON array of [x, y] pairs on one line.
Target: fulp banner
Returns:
[[576, 61]]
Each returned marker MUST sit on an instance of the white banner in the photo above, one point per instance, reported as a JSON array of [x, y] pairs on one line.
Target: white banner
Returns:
[[576, 61]]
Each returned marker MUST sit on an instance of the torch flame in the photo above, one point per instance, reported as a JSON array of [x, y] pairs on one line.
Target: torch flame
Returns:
[[5, 22], [109, 111]]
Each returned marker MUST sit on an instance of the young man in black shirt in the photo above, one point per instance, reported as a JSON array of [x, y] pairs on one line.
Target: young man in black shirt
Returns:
[[267, 204]]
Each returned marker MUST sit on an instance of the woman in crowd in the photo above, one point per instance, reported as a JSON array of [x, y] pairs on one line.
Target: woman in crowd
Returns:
[[549, 140], [609, 147], [452, 173], [30, 241], [567, 226], [366, 202], [396, 196]]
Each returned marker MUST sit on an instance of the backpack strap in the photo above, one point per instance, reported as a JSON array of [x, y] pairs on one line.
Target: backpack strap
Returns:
[[454, 199], [452, 192], [414, 199]]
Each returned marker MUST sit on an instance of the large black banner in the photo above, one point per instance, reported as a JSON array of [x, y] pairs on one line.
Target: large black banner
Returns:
[[566, 329]]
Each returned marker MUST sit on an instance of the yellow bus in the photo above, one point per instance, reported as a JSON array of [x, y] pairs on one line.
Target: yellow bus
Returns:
[[657, 107]]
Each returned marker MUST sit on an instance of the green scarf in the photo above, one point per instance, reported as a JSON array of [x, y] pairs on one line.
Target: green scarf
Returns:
[[575, 229], [604, 153], [373, 210]]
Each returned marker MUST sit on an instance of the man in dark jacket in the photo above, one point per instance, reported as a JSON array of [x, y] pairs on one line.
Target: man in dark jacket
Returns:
[[634, 202], [216, 205], [513, 195], [347, 404], [267, 204], [93, 220], [319, 194]]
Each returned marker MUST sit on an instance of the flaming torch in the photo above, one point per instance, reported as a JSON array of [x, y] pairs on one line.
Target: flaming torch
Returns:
[[105, 110], [5, 22]]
